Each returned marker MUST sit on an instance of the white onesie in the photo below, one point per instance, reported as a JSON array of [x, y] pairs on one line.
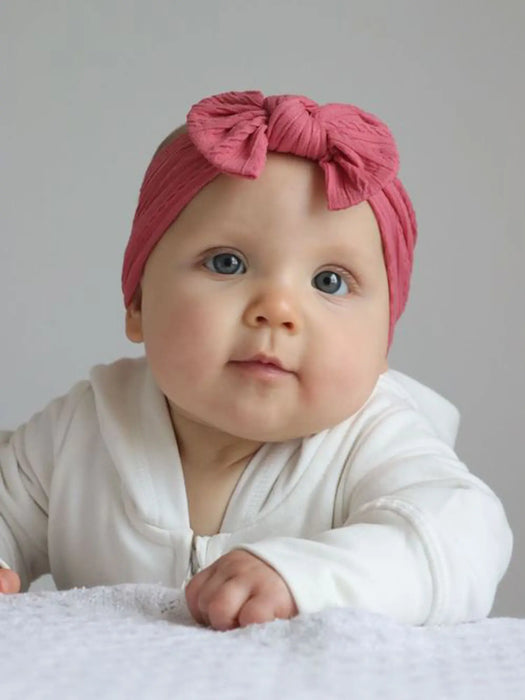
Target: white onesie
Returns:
[[376, 513]]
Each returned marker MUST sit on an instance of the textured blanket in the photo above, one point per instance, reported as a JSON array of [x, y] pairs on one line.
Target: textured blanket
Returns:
[[138, 641]]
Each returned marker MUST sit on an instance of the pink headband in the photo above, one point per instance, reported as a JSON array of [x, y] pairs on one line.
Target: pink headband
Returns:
[[232, 133]]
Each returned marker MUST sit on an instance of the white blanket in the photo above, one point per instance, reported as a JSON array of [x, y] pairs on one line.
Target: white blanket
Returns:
[[138, 641]]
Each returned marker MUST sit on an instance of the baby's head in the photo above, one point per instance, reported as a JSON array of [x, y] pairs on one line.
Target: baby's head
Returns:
[[242, 247]]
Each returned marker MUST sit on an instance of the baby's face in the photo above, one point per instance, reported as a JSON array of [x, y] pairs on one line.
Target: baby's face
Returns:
[[262, 266]]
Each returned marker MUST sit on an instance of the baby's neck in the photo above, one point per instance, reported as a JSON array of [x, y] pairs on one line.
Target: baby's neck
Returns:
[[208, 451]]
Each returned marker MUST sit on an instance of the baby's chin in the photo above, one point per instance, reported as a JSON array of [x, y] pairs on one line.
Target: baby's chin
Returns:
[[267, 422], [283, 432]]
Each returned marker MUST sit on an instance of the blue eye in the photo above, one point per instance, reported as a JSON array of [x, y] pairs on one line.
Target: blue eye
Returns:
[[224, 264], [330, 283]]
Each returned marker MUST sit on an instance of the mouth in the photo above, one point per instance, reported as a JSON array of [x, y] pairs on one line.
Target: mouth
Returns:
[[261, 370], [262, 366], [266, 360]]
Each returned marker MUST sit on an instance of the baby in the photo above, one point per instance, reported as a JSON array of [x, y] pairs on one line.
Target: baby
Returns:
[[262, 454]]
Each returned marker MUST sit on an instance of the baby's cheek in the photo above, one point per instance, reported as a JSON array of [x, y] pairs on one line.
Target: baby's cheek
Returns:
[[342, 383], [201, 342]]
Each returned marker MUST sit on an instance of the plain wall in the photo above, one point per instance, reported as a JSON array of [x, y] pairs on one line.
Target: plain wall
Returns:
[[88, 90]]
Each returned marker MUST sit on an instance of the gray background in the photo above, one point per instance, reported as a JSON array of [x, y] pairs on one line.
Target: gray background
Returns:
[[88, 89]]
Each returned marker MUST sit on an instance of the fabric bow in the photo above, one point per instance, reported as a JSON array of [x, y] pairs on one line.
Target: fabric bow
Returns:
[[357, 152]]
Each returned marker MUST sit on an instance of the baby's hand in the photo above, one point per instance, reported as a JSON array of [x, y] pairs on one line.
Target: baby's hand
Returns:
[[238, 590], [9, 581]]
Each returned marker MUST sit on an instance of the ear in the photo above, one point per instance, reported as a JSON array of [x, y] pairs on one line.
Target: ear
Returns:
[[134, 318]]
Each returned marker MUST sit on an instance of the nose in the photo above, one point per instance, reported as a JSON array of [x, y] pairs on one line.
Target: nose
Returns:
[[275, 308]]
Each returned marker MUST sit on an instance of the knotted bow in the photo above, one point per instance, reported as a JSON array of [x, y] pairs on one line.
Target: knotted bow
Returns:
[[235, 130]]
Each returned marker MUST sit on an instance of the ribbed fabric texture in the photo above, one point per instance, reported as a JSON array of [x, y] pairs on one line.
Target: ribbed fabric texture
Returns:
[[233, 132]]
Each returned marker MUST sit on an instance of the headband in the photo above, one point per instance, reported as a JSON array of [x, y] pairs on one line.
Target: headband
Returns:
[[232, 132]]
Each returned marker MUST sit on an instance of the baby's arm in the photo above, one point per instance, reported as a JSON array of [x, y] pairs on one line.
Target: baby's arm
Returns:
[[27, 459], [416, 536]]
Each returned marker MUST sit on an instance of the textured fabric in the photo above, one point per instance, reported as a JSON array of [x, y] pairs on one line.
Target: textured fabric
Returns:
[[233, 132], [138, 641], [377, 512]]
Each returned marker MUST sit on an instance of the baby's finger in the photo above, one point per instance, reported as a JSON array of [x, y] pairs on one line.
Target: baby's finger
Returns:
[[256, 610], [9, 581], [207, 592], [192, 592], [222, 604]]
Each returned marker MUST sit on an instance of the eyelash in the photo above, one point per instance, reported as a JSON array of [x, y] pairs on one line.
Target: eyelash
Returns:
[[345, 275]]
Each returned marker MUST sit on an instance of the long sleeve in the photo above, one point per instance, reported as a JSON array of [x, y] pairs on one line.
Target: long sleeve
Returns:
[[27, 458], [415, 537]]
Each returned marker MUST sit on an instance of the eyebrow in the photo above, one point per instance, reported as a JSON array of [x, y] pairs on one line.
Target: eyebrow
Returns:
[[237, 234], [340, 250], [349, 254]]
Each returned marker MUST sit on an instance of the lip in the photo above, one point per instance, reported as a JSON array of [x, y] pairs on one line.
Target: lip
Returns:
[[261, 365], [266, 360]]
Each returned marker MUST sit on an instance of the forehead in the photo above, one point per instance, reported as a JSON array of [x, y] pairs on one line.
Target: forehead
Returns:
[[287, 202]]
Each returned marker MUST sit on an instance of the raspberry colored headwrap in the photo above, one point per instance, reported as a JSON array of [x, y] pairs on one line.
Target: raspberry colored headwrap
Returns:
[[232, 133]]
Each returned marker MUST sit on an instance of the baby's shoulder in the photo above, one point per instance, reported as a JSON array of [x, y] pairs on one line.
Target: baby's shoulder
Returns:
[[396, 390], [120, 372], [106, 384]]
